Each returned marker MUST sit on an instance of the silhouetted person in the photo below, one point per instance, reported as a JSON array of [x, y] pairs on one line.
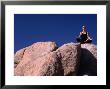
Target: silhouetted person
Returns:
[[84, 37]]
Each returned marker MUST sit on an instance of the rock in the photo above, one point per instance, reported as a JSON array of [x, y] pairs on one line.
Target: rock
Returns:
[[90, 47], [69, 54], [48, 65], [33, 52], [88, 60], [18, 56], [46, 59]]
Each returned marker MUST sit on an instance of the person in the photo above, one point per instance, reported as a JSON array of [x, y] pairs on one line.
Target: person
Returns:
[[84, 37]]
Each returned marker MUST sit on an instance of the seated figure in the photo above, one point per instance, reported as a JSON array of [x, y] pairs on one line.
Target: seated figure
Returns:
[[84, 37]]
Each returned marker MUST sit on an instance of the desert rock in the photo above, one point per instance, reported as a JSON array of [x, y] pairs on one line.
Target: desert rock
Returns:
[[46, 59]]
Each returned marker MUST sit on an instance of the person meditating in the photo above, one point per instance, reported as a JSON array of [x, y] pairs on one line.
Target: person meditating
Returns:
[[84, 37]]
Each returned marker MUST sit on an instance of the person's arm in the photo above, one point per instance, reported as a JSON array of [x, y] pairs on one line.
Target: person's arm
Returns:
[[87, 37], [80, 34]]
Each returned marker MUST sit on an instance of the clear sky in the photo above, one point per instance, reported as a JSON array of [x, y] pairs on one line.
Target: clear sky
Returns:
[[61, 28]]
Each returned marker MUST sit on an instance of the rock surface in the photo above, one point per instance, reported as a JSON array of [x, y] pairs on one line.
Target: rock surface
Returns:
[[69, 56], [48, 65], [88, 60], [46, 59], [32, 53], [90, 47], [18, 56]]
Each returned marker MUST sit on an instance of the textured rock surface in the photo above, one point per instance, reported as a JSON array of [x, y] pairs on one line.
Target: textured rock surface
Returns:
[[18, 56], [70, 54], [88, 60], [90, 47], [46, 59], [33, 52], [48, 65], [42, 59]]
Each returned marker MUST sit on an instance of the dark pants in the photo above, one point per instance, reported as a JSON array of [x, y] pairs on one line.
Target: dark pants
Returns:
[[83, 40]]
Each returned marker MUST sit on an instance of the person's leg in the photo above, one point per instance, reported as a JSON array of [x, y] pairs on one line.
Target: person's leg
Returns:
[[88, 41]]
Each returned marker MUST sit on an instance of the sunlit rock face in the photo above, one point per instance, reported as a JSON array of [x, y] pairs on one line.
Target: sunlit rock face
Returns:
[[47, 59]]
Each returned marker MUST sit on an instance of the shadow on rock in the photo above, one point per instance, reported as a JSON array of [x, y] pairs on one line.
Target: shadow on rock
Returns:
[[88, 64]]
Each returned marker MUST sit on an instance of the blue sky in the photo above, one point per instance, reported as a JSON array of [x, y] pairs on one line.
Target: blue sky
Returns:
[[61, 28]]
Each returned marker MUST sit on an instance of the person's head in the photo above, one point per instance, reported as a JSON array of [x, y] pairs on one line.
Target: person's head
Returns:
[[84, 28]]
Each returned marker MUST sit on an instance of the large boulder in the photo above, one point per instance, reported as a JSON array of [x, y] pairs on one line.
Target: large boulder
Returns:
[[32, 52], [35, 50], [47, 61], [48, 65], [70, 55], [88, 60]]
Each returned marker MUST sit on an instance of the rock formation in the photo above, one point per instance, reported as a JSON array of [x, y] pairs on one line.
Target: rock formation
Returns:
[[69, 56], [46, 59], [88, 60]]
